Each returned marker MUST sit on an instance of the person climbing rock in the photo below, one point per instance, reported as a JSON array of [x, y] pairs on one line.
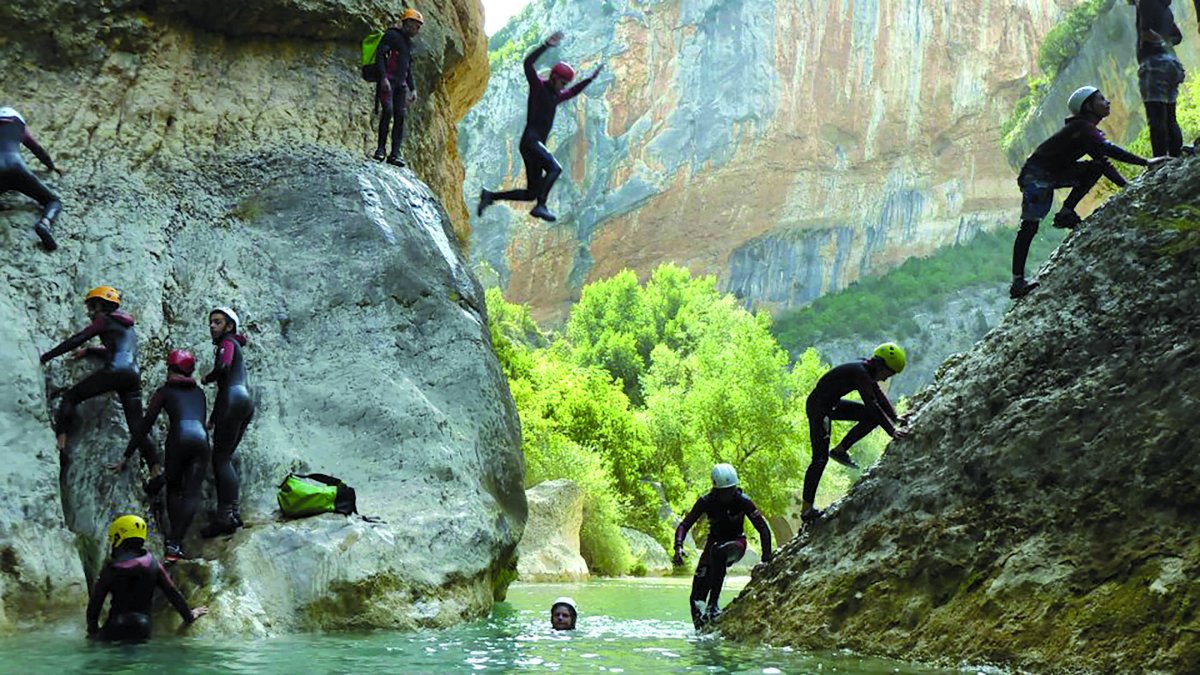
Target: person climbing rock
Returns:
[[726, 507], [395, 89], [1055, 164], [231, 415], [826, 404], [563, 614], [14, 175], [541, 168], [130, 576], [119, 374], [187, 448], [1159, 73]]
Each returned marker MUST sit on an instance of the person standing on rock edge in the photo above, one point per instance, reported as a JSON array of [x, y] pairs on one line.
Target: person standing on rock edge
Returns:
[[130, 575], [726, 507], [231, 415], [563, 614], [187, 446], [826, 404], [396, 89], [1159, 73], [14, 175], [1055, 164], [120, 372], [541, 168]]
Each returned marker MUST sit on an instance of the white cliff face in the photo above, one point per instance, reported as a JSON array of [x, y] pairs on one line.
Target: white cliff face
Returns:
[[787, 147], [204, 170]]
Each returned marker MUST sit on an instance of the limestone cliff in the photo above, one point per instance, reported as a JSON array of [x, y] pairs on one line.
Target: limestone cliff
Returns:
[[212, 156], [1044, 512], [787, 147]]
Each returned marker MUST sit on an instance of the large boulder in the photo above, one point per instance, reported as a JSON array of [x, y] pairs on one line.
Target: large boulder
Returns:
[[1043, 513], [650, 558], [549, 551], [206, 170]]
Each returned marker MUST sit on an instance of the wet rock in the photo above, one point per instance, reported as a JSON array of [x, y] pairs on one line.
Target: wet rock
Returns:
[[1043, 510], [549, 551]]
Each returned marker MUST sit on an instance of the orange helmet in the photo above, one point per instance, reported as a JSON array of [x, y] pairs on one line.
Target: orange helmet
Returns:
[[413, 14], [104, 293]]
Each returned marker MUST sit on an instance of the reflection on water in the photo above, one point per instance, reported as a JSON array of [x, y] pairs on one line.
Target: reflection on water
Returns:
[[625, 626]]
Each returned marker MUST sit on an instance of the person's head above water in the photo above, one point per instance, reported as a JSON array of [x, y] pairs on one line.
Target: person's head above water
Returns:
[[102, 300], [1089, 102], [724, 481], [127, 532], [889, 359], [563, 614], [222, 320]]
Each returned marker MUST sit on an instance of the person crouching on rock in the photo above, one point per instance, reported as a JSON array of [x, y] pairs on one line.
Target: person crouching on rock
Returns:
[[231, 414], [120, 372], [187, 446], [396, 90], [14, 175], [1055, 164], [563, 614], [826, 404], [130, 575], [726, 507], [541, 168]]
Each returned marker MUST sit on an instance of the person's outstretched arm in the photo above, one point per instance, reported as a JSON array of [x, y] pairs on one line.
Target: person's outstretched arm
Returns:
[[74, 341], [96, 600], [682, 529], [764, 531], [38, 151], [579, 86], [148, 420]]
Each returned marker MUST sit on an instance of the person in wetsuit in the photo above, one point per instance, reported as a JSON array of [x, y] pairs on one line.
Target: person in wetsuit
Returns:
[[396, 89], [14, 175], [1055, 164], [1159, 73], [726, 507], [541, 168], [187, 446], [130, 576], [231, 415], [119, 374], [826, 404]]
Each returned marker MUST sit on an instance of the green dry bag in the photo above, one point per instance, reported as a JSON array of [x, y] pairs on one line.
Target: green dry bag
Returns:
[[303, 495], [370, 45]]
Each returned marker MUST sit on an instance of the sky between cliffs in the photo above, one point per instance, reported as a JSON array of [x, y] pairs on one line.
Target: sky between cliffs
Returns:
[[496, 13]]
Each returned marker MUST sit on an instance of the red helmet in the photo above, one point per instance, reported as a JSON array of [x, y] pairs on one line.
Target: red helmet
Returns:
[[564, 71], [182, 360]]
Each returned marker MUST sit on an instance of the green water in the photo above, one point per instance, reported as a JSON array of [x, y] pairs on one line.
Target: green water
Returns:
[[625, 626]]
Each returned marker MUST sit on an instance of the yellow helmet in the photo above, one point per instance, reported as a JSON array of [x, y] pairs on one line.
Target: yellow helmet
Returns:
[[413, 14], [104, 293], [126, 527], [892, 356]]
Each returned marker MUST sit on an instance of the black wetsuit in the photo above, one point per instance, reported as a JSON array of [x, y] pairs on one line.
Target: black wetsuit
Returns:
[[1055, 164], [119, 374], [825, 404], [541, 168], [231, 414], [725, 546], [14, 175], [131, 577], [393, 58], [187, 448]]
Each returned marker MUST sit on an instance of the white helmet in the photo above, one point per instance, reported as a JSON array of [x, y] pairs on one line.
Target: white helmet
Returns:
[[1077, 99], [569, 602], [229, 313], [724, 476], [9, 112]]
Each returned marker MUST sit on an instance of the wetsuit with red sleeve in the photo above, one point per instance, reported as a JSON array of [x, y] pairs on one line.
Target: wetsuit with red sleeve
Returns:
[[130, 577], [394, 63], [541, 168], [231, 414], [14, 175], [119, 374], [726, 544], [825, 404], [187, 448]]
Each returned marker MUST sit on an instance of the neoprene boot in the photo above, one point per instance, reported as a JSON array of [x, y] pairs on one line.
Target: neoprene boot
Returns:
[[223, 524], [485, 200], [540, 211], [43, 232], [842, 457], [1021, 288]]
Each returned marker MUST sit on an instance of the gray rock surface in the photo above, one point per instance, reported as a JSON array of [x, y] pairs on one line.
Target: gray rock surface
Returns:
[[549, 550], [1043, 512], [648, 554], [206, 171]]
